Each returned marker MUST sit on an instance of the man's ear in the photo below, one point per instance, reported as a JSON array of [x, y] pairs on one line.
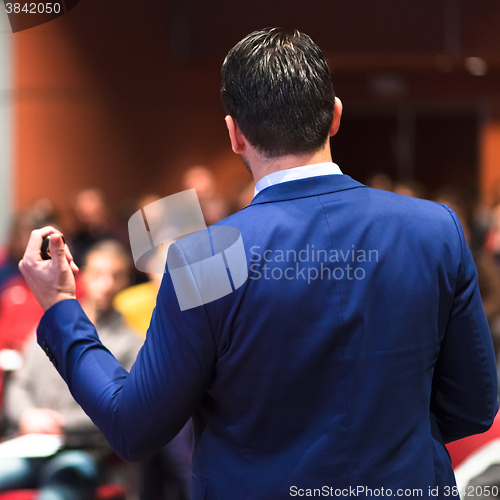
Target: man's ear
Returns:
[[238, 142], [337, 113]]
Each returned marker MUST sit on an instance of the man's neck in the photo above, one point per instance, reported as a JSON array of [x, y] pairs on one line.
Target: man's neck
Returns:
[[262, 166]]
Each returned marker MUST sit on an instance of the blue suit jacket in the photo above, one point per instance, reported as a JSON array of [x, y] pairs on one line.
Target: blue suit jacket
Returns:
[[347, 366]]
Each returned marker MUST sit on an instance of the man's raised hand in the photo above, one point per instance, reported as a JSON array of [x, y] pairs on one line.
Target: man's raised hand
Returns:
[[50, 280]]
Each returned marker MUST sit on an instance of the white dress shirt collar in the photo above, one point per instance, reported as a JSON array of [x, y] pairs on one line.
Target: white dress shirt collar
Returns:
[[296, 173]]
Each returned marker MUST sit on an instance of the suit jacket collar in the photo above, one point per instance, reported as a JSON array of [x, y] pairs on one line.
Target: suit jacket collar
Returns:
[[303, 188]]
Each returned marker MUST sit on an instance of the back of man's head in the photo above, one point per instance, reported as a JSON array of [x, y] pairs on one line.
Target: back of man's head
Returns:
[[277, 87]]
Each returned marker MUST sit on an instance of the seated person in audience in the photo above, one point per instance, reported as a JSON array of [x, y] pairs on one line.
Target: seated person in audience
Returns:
[[38, 400], [19, 311], [136, 303], [213, 206], [92, 223]]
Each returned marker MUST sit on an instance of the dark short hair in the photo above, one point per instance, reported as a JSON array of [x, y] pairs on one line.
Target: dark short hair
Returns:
[[277, 87]]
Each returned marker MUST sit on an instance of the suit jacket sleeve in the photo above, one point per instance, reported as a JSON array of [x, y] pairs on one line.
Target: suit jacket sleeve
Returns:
[[140, 411], [464, 393]]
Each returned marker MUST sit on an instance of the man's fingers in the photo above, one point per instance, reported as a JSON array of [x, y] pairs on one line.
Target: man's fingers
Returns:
[[57, 249], [35, 242], [69, 258]]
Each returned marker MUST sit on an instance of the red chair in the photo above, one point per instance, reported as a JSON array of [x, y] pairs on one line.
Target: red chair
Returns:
[[460, 450], [105, 492]]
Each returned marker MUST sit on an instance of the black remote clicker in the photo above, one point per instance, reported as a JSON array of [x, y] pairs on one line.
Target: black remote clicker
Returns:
[[44, 250]]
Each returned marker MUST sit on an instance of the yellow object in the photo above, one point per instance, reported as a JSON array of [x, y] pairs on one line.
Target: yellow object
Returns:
[[136, 303]]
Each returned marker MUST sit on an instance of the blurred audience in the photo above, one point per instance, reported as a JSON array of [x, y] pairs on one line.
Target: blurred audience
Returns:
[[40, 214], [38, 400], [411, 188], [92, 222], [136, 303], [379, 180], [492, 241], [213, 206], [19, 311]]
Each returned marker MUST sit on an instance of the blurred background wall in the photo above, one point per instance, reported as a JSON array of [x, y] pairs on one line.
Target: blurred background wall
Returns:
[[124, 95]]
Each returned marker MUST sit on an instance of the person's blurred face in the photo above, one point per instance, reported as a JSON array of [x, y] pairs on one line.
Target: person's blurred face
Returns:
[[90, 208], [201, 179], [103, 277]]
